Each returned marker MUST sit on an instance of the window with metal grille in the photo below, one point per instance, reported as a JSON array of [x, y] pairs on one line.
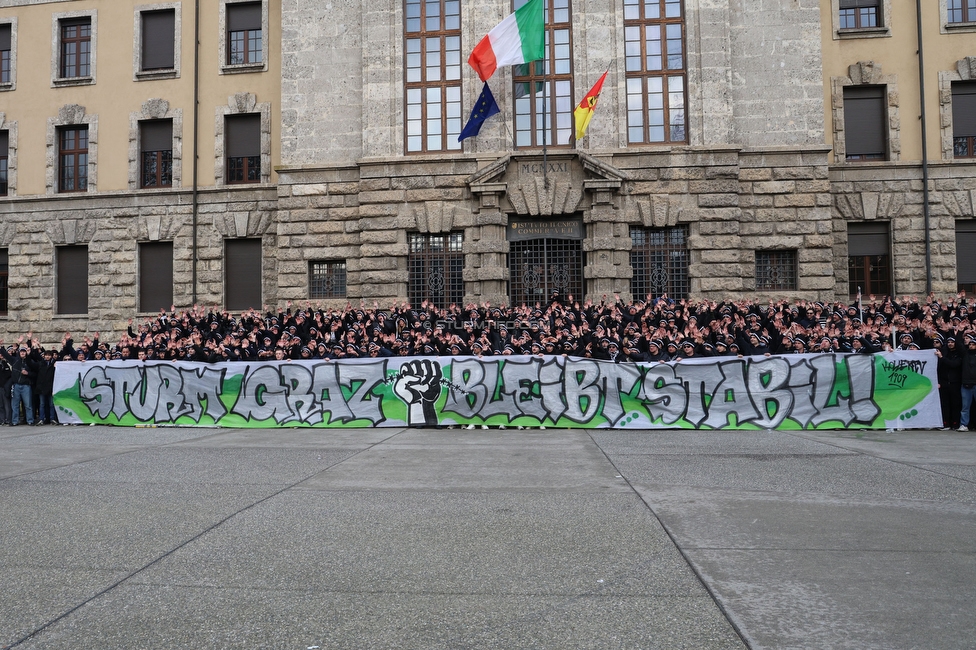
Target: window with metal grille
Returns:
[[654, 43], [776, 270], [244, 37], [158, 39], [435, 266], [544, 89], [75, 48], [326, 280], [868, 259], [5, 40], [155, 276], [243, 146], [4, 275], [73, 159], [865, 123], [539, 267], [964, 119], [961, 11], [72, 279], [432, 65], [859, 14], [242, 274], [659, 258], [156, 142], [4, 153]]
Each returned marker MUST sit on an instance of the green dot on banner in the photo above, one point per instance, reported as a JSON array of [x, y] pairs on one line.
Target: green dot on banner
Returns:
[[914, 412]]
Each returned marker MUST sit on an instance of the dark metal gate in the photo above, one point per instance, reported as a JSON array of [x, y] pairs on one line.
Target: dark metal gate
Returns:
[[537, 267]]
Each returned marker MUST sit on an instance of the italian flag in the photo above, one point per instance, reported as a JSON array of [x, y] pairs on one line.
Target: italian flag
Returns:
[[520, 38]]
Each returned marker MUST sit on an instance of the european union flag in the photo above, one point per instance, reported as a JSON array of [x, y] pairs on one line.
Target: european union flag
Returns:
[[484, 108]]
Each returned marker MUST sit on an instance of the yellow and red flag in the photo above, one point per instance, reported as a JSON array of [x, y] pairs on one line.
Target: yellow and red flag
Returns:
[[584, 112]]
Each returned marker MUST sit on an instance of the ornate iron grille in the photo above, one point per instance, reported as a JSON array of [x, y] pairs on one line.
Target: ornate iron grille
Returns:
[[327, 280], [537, 267], [775, 270], [435, 264], [659, 257]]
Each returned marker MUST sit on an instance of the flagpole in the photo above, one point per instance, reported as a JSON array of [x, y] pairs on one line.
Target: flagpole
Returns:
[[545, 106]]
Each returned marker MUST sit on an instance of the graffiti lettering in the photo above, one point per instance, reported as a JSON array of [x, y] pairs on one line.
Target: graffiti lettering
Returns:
[[806, 391]]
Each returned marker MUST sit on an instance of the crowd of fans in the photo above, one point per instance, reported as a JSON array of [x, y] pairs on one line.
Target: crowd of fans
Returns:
[[657, 329]]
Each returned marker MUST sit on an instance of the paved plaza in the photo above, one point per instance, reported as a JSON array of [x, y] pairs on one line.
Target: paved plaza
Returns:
[[428, 539]]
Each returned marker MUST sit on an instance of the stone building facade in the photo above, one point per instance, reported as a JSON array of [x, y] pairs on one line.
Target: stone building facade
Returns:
[[756, 189]]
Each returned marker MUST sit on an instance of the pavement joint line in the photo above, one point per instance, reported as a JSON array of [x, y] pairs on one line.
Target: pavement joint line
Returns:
[[691, 565], [861, 452], [173, 550]]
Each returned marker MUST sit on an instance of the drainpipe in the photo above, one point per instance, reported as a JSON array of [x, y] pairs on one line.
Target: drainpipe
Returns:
[[925, 157], [196, 139]]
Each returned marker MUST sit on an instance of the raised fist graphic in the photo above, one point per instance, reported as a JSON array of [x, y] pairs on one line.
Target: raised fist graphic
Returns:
[[418, 385]]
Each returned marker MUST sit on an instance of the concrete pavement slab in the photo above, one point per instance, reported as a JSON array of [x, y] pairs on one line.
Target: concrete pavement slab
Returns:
[[415, 538], [476, 460], [176, 617], [435, 542]]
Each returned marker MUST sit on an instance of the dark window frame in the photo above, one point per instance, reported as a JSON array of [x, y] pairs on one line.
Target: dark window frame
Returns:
[[158, 62], [155, 160], [73, 159], [435, 266], [75, 54], [155, 276], [964, 119], [866, 123], [6, 53], [4, 282], [245, 47], [777, 270], [547, 113], [327, 279], [72, 279], [243, 274], [869, 258], [4, 162], [861, 14], [432, 76], [960, 11], [242, 153], [661, 68]]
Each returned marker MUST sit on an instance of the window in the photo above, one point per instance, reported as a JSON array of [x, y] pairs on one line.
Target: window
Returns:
[[435, 264], [158, 40], [72, 279], [961, 11], [155, 276], [4, 152], [4, 275], [776, 270], [655, 71], [659, 258], [326, 280], [544, 89], [965, 260], [243, 146], [860, 14], [964, 118], [242, 274], [244, 36], [433, 75], [868, 260], [73, 159], [75, 60], [5, 60], [156, 153], [864, 123]]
